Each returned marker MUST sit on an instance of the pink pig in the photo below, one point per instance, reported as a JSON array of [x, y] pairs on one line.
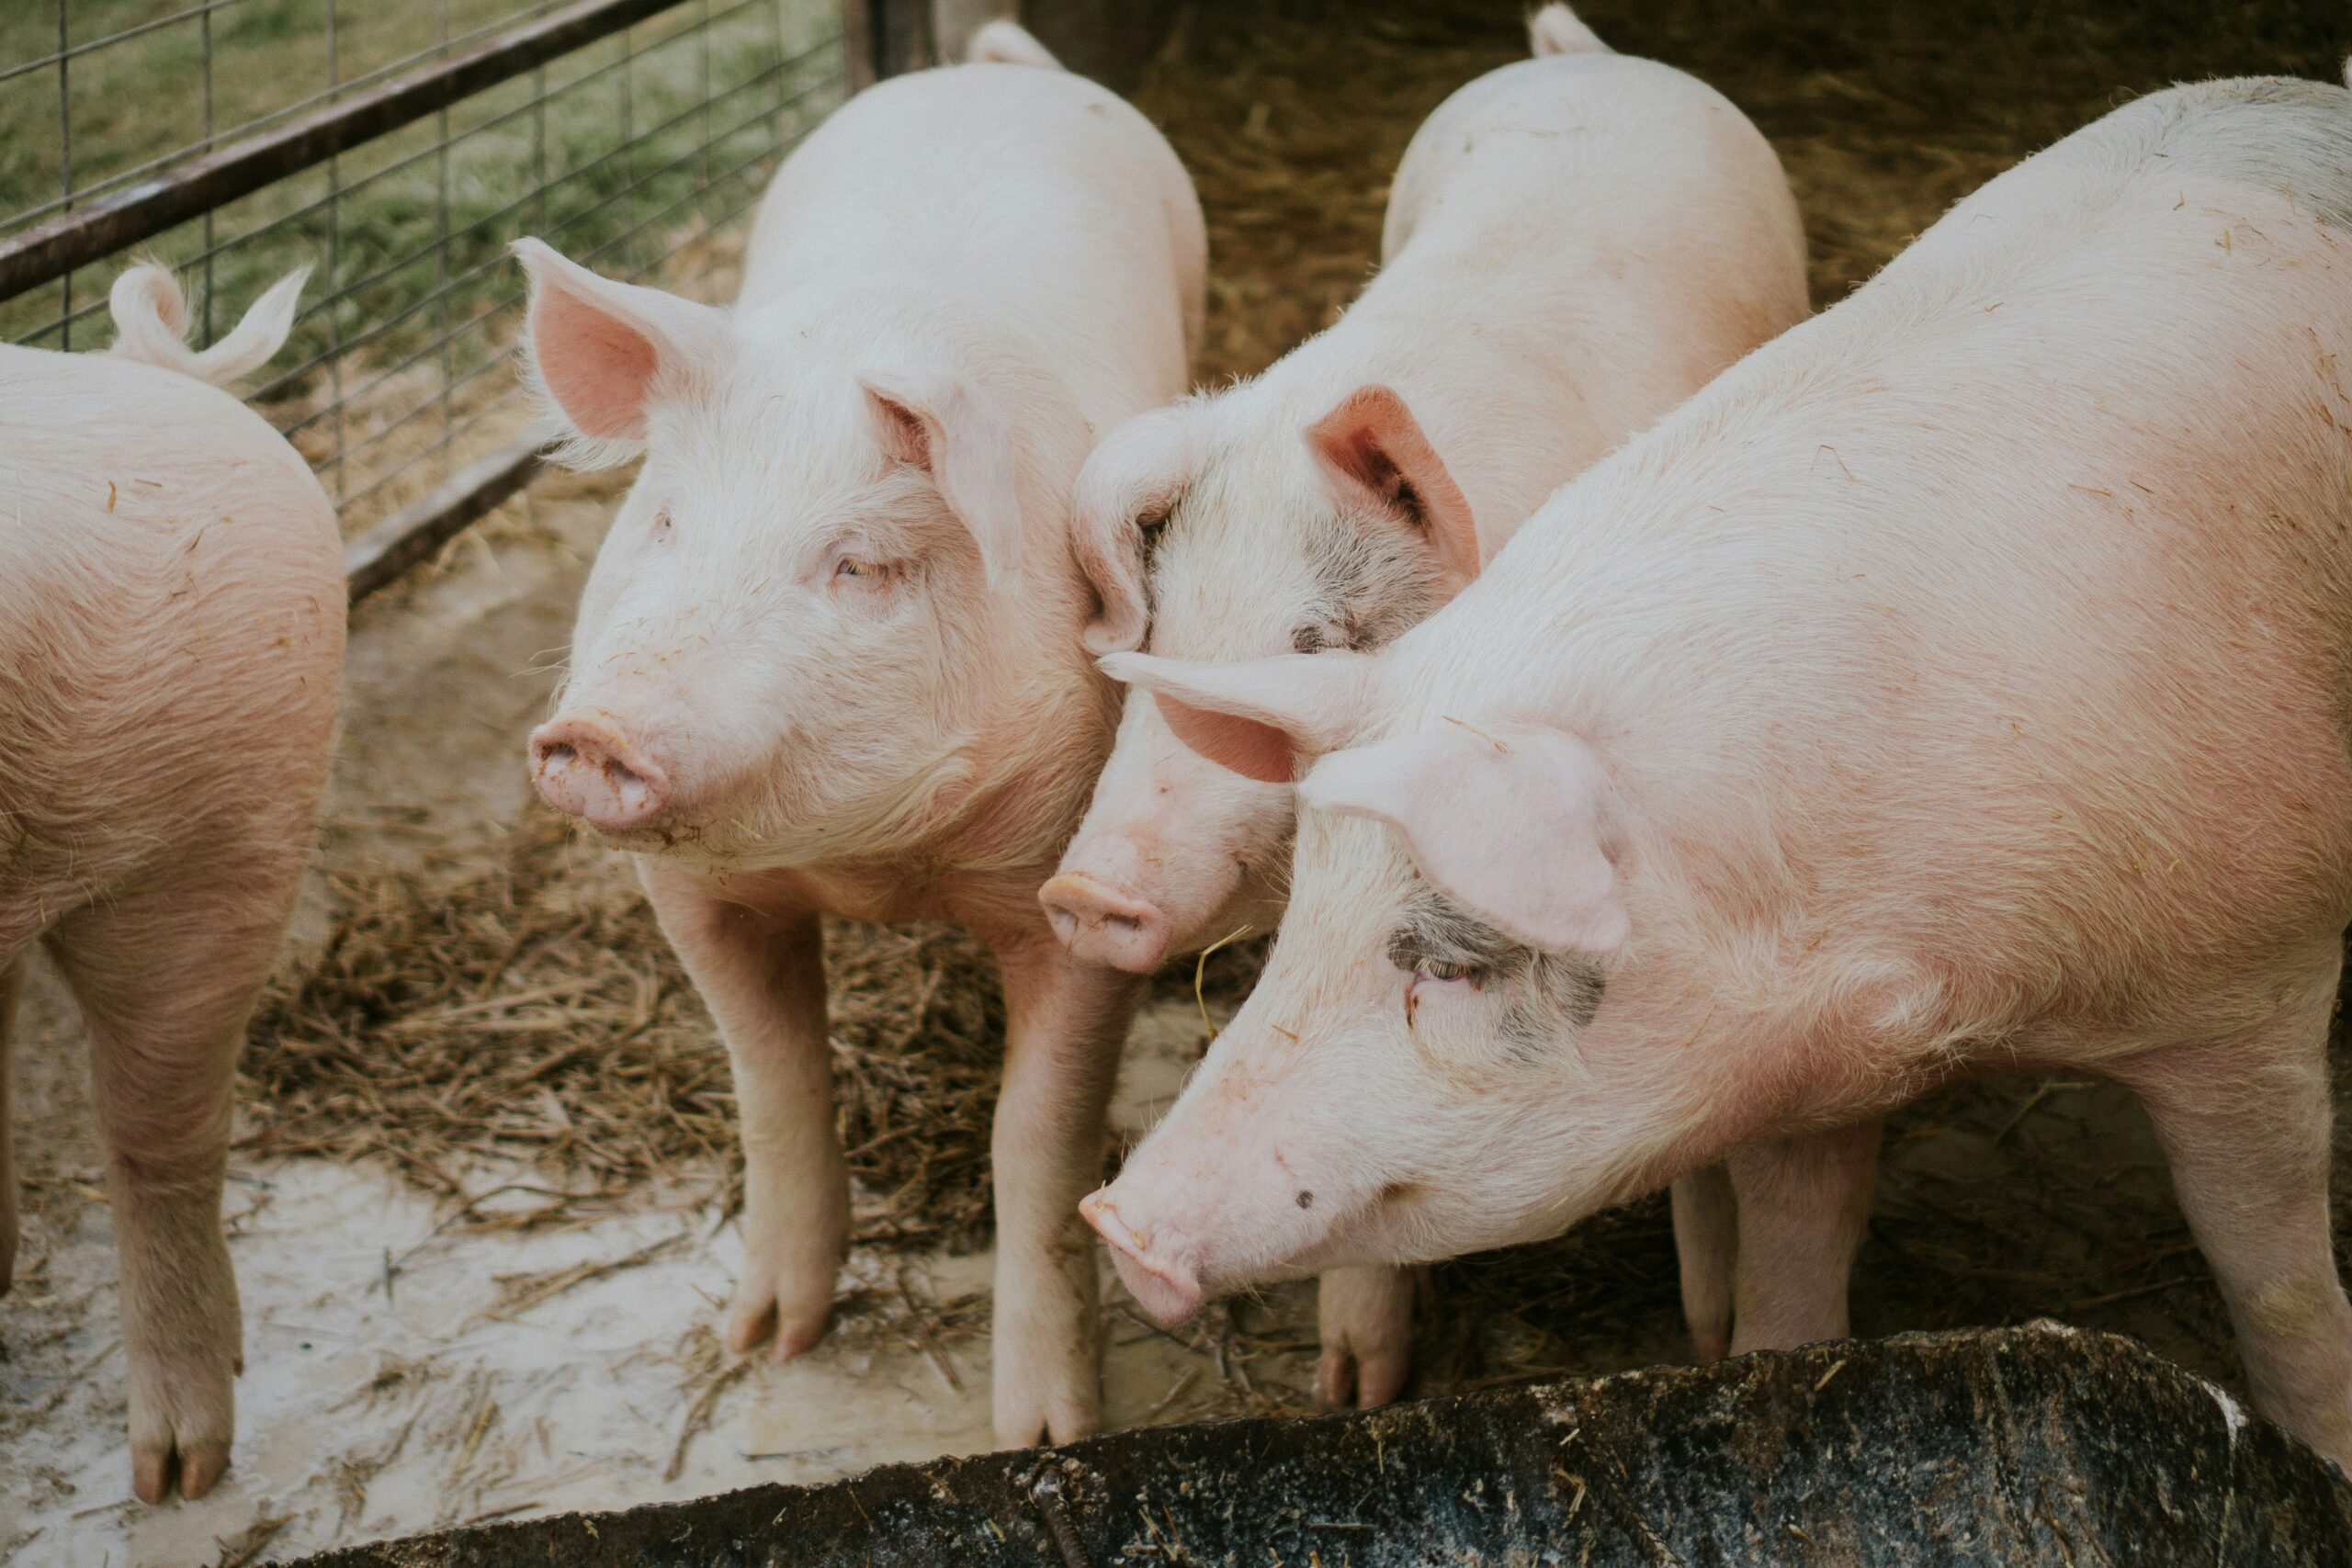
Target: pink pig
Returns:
[[1959, 685], [171, 657], [828, 661], [1575, 243]]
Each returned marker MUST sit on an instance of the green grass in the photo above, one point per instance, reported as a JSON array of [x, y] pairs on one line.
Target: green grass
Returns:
[[619, 153]]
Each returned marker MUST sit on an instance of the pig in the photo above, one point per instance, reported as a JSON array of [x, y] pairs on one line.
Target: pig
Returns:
[[1574, 245], [827, 659], [171, 655], [1958, 685]]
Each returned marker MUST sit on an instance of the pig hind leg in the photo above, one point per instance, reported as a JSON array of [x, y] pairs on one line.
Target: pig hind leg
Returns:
[[1065, 1023], [1706, 1247], [12, 982], [762, 976], [2245, 1125], [165, 980], [1365, 1318], [1804, 1205]]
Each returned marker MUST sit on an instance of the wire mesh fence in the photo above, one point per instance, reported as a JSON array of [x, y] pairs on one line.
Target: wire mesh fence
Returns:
[[396, 149]]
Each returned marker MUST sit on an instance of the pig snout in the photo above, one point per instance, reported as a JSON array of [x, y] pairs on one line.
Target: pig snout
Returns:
[[1211, 1200], [1163, 1283], [592, 769], [1097, 920]]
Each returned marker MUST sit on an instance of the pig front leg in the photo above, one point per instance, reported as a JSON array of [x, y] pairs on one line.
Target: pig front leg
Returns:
[[1802, 1206], [1706, 1249], [1065, 1025], [2244, 1125], [12, 985], [165, 980], [762, 974], [1365, 1317]]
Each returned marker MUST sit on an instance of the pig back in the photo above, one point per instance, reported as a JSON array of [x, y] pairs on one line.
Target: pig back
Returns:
[[1633, 228], [1991, 634], [1033, 199], [2120, 570], [1648, 187], [171, 631]]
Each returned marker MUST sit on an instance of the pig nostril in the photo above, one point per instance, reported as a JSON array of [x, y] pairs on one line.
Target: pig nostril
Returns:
[[1103, 926], [591, 771]]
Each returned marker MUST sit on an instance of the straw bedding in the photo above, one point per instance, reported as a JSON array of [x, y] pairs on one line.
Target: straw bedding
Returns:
[[527, 1006]]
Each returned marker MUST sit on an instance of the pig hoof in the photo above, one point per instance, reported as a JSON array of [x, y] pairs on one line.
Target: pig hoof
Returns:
[[151, 1475], [1061, 1421], [182, 1424], [797, 1321], [1365, 1317], [1335, 1378], [199, 1467], [1362, 1380]]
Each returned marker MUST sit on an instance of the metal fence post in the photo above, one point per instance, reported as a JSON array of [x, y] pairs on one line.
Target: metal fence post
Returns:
[[902, 39]]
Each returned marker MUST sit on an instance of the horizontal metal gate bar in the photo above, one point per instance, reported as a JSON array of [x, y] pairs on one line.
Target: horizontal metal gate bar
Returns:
[[112, 224]]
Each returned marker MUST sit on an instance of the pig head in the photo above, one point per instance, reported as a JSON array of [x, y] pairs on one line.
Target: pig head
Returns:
[[1333, 536], [1426, 1066], [816, 600]]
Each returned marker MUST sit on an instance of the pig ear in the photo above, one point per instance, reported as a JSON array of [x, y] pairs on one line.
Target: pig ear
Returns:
[[1128, 485], [603, 350], [938, 424], [1255, 717], [1512, 823], [1372, 451]]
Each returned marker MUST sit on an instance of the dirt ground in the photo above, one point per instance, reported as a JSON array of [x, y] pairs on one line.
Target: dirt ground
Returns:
[[455, 1313]]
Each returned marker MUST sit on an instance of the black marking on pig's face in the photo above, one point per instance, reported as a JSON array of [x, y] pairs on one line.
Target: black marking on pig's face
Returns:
[[1372, 583], [1543, 993], [1375, 579]]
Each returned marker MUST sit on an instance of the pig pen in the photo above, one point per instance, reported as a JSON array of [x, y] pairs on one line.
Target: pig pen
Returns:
[[481, 1203]]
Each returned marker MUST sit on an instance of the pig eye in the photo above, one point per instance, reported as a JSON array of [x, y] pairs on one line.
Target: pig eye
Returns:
[[1445, 969], [861, 572], [661, 524]]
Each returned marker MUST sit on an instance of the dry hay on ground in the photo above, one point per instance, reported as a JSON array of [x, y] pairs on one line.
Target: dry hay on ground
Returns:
[[531, 1007]]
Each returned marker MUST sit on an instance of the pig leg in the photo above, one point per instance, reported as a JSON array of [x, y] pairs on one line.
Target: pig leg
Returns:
[[1706, 1244], [1804, 1204], [2245, 1125], [165, 980], [1064, 1024], [1366, 1317], [12, 982], [762, 974]]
